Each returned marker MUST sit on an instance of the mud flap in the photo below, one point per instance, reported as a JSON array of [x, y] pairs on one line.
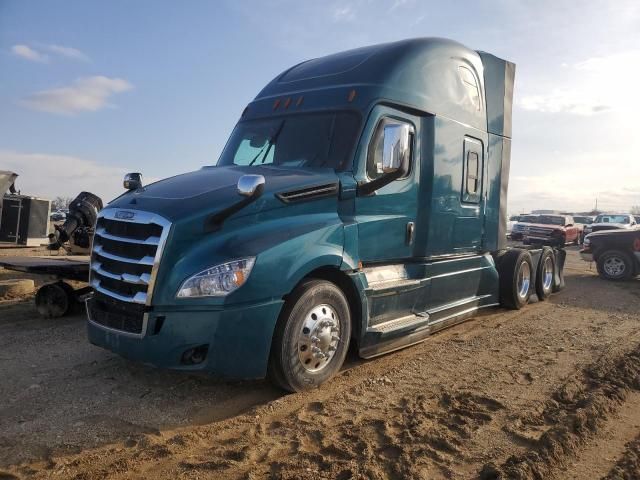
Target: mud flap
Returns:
[[558, 279]]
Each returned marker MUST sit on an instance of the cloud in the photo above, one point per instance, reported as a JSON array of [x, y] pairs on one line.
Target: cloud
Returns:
[[563, 101], [68, 52], [87, 94], [590, 86], [47, 176], [28, 53], [344, 14], [576, 182]]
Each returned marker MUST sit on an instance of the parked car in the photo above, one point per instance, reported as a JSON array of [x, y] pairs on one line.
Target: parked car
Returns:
[[521, 224], [555, 230], [57, 216], [582, 220], [616, 253], [611, 221], [513, 219]]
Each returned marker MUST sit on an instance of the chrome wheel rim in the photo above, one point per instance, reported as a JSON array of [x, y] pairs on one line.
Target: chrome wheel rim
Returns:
[[318, 338], [547, 273], [524, 280], [614, 266]]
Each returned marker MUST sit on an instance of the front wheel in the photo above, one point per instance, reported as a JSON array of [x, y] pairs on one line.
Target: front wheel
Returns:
[[311, 338], [615, 265]]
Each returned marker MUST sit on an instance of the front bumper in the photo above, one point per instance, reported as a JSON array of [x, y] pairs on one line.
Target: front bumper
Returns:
[[238, 339]]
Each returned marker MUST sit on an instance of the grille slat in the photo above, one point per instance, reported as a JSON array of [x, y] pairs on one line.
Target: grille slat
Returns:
[[122, 265]]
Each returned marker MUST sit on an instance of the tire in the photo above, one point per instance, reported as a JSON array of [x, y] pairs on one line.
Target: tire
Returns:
[[615, 265], [315, 313], [545, 274], [55, 300], [515, 278]]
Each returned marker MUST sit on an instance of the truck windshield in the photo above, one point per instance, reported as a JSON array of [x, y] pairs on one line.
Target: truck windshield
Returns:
[[551, 220], [305, 140], [612, 219]]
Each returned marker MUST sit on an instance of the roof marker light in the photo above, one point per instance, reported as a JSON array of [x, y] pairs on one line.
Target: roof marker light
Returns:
[[287, 102], [276, 104], [352, 95], [299, 101]]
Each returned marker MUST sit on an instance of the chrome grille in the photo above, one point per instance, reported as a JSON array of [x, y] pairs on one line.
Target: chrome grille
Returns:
[[126, 253], [541, 231]]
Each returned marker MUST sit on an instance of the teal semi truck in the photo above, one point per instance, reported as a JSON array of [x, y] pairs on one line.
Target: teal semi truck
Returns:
[[360, 200]]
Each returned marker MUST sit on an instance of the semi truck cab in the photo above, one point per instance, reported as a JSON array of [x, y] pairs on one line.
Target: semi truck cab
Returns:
[[360, 199]]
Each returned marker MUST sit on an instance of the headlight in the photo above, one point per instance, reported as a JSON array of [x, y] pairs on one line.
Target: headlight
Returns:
[[217, 281], [586, 243]]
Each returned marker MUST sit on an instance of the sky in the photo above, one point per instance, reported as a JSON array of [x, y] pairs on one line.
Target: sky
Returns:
[[90, 90]]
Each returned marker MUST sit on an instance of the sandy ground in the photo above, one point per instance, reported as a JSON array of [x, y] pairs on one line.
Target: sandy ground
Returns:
[[551, 391]]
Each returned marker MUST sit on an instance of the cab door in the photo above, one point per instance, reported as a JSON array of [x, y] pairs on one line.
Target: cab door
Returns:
[[386, 218]]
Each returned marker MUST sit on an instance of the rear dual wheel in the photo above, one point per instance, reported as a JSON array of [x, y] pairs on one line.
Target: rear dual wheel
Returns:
[[311, 338], [515, 270], [517, 279]]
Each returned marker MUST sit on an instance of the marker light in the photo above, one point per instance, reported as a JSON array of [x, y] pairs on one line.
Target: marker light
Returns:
[[217, 281]]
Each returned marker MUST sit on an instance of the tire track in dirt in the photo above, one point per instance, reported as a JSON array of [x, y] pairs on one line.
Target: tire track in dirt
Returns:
[[574, 414], [468, 396], [628, 467]]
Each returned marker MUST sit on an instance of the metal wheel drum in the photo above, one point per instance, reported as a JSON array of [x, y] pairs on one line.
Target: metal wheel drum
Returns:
[[319, 337], [55, 299], [615, 265], [524, 280], [545, 274], [311, 338], [515, 271]]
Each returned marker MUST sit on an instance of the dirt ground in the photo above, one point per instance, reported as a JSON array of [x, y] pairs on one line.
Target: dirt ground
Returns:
[[551, 391]]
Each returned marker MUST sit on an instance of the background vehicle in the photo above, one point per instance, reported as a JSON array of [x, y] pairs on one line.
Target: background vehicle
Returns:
[[57, 216], [556, 230], [511, 222], [519, 227], [582, 221], [611, 221], [361, 197], [616, 253]]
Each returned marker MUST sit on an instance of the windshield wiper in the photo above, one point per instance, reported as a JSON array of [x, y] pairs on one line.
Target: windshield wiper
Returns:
[[272, 141]]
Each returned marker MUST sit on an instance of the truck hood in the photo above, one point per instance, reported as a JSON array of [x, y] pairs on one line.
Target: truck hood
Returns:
[[615, 232], [608, 226], [212, 189]]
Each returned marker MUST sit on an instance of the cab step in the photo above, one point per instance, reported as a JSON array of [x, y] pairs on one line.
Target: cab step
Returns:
[[407, 323]]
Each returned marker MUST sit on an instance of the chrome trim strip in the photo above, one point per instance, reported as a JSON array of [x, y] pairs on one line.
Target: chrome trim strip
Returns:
[[102, 233], [142, 279], [140, 297], [310, 193], [143, 261]]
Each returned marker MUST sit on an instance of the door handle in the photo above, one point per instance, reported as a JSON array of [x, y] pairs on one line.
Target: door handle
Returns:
[[410, 231]]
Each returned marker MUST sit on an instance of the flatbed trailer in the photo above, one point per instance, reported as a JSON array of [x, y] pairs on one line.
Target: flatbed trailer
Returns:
[[56, 298]]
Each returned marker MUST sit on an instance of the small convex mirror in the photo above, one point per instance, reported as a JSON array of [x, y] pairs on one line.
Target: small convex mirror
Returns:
[[132, 181], [395, 147], [250, 185]]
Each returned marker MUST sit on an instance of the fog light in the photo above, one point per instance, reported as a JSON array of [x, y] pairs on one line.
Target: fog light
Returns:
[[194, 356]]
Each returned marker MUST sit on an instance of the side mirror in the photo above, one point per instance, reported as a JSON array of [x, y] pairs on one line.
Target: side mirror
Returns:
[[132, 181], [396, 148], [396, 155], [250, 185]]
